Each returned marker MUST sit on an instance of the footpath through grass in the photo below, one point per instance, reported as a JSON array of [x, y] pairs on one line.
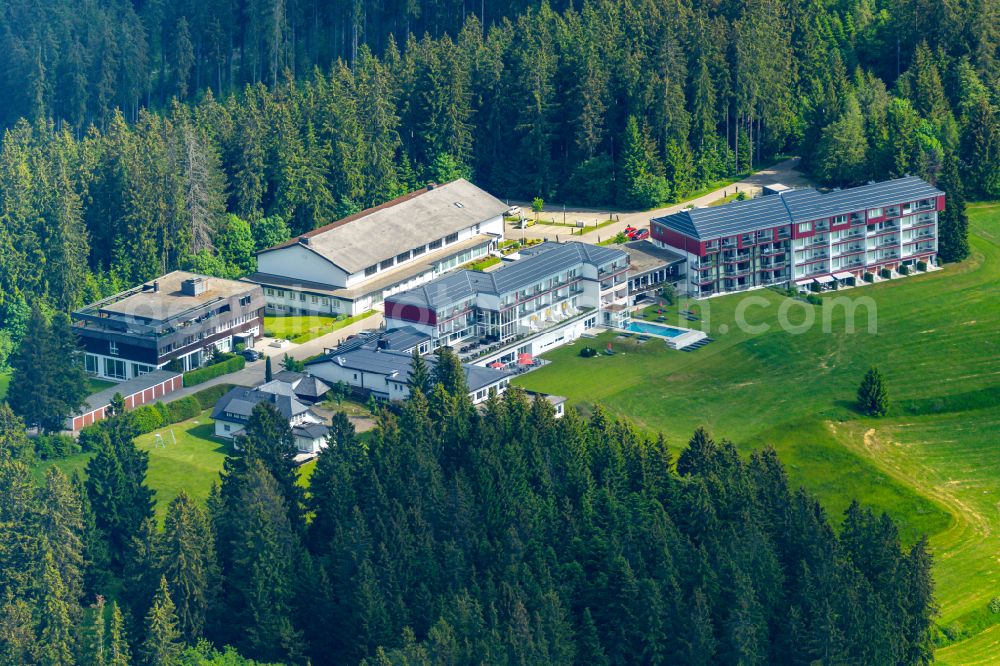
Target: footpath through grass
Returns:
[[303, 328], [933, 463]]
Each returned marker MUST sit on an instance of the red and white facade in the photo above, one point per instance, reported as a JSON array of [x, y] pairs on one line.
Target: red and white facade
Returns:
[[143, 390], [803, 236]]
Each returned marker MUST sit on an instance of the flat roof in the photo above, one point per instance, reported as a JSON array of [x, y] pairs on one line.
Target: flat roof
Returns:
[[373, 235], [167, 301], [792, 207], [645, 257]]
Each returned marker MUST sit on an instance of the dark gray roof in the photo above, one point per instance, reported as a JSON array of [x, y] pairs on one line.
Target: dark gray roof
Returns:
[[397, 364], [792, 207], [535, 264], [403, 338], [809, 204], [311, 430], [300, 384], [241, 401], [126, 388]]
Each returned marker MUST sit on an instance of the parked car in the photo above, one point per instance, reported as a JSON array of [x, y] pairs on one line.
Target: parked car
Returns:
[[630, 231], [251, 355], [513, 211], [641, 234]]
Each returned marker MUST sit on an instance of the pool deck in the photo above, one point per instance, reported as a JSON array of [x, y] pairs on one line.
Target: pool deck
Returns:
[[687, 338]]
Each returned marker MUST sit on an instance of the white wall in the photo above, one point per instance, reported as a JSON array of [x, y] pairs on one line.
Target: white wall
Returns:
[[220, 429], [297, 263]]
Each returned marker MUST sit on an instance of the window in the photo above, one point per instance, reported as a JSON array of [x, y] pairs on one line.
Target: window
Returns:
[[451, 238], [245, 300], [400, 258], [302, 297], [139, 369], [90, 362], [227, 428], [314, 299], [387, 264], [371, 270], [805, 227], [269, 291], [114, 368], [434, 245], [417, 251], [113, 348], [874, 212]]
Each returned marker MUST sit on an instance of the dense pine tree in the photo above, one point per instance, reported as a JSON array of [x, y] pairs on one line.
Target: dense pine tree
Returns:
[[873, 397]]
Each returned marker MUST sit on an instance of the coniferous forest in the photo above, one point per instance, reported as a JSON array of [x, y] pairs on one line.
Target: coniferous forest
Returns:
[[147, 135], [141, 136], [452, 536]]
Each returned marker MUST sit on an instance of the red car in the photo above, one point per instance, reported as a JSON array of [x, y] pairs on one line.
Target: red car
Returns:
[[630, 231], [640, 234]]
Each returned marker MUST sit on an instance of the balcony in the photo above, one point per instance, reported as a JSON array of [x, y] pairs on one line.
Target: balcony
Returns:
[[736, 258], [774, 266], [813, 256]]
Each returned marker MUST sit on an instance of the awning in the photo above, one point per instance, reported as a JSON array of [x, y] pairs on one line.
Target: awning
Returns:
[[824, 279], [496, 364], [803, 283], [843, 275], [525, 359]]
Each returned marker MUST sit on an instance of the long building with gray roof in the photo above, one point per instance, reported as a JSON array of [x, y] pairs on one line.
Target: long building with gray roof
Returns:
[[348, 266], [810, 238]]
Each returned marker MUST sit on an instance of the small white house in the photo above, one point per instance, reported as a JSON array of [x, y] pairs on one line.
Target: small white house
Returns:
[[233, 410]]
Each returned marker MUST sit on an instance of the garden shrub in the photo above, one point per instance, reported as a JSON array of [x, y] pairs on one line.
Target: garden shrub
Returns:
[[904, 270], [211, 372], [148, 418], [869, 277], [885, 273], [588, 352], [51, 447], [814, 299], [186, 408], [90, 437], [921, 265]]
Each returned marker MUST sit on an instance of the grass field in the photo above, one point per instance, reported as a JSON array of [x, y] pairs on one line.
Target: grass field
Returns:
[[304, 328], [933, 463]]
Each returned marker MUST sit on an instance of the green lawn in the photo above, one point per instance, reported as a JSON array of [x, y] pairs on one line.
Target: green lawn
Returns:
[[303, 328], [97, 385], [933, 464], [191, 463]]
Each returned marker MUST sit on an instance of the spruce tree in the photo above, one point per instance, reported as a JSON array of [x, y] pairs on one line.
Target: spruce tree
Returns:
[[118, 650], [420, 377], [953, 223], [163, 645], [268, 438], [56, 611], [448, 372], [32, 394], [873, 396], [186, 554]]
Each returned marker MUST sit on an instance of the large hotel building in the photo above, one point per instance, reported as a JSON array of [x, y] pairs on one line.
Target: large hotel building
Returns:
[[804, 236]]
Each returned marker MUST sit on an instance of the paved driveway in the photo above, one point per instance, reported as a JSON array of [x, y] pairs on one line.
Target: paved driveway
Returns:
[[785, 172]]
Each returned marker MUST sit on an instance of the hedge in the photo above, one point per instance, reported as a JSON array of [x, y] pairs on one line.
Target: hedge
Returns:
[[155, 416], [211, 372], [885, 273], [904, 270], [921, 265]]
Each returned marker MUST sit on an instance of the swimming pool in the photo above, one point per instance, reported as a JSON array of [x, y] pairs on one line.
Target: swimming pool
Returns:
[[654, 329]]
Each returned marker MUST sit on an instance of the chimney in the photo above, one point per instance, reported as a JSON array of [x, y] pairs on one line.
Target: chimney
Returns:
[[304, 240], [156, 286], [195, 286]]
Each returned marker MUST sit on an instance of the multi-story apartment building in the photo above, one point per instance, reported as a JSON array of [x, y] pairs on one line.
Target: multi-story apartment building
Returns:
[[177, 317], [547, 297], [351, 265], [805, 236]]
